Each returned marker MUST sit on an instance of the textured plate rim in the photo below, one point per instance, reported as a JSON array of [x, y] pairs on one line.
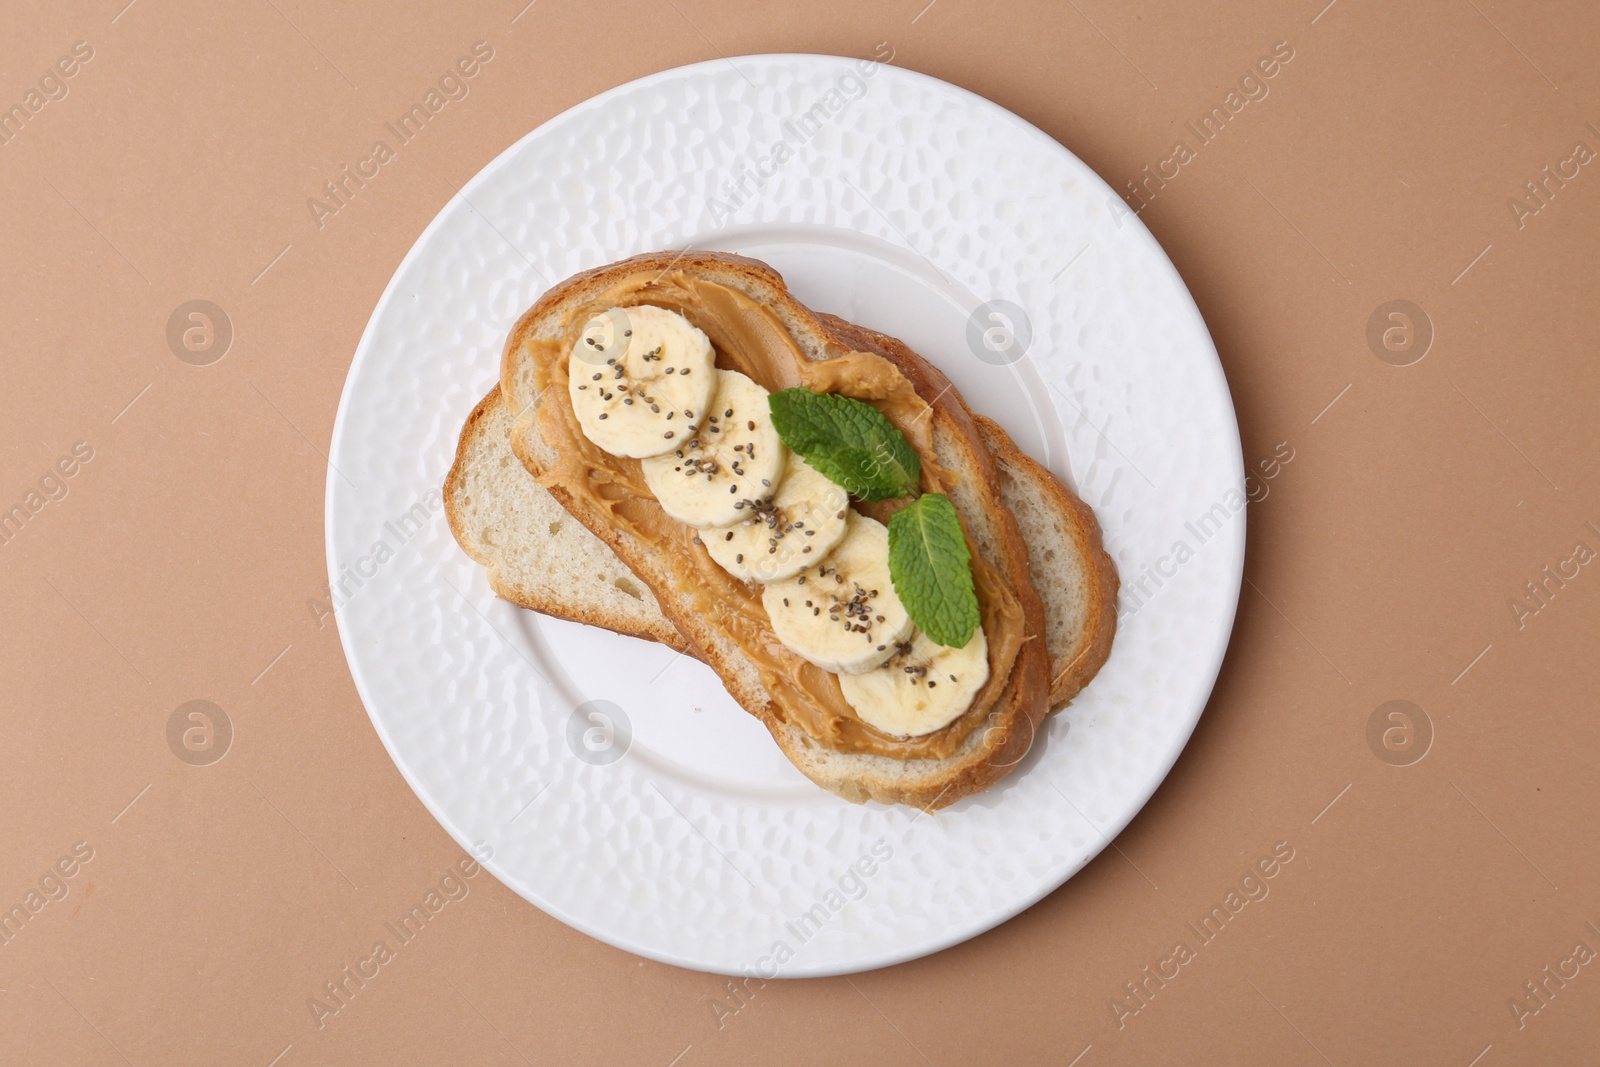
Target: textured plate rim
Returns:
[[1182, 730]]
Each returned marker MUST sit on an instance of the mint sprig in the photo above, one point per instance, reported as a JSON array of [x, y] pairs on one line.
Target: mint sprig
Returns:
[[931, 568], [848, 440]]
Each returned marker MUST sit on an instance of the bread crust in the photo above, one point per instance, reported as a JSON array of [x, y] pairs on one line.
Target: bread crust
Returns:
[[993, 747], [573, 609], [1089, 653]]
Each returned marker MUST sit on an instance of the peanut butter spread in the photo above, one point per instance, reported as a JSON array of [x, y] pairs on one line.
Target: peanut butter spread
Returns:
[[748, 336]]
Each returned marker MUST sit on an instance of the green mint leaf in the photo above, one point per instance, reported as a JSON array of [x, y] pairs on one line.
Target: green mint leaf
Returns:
[[851, 442], [931, 568]]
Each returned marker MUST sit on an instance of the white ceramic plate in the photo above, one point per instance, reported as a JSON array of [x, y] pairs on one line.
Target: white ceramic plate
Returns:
[[899, 202]]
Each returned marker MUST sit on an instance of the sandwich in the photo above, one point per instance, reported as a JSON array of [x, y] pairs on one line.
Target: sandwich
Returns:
[[679, 450]]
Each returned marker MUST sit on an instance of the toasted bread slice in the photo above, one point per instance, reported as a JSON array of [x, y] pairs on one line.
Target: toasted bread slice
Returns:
[[539, 558], [714, 611], [1074, 577]]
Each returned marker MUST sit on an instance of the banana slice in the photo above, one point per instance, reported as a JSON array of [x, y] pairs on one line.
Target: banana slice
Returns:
[[732, 461], [842, 613], [783, 532], [923, 686], [640, 379]]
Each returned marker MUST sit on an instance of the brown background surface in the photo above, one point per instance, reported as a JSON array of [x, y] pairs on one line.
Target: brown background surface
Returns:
[[1380, 567]]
